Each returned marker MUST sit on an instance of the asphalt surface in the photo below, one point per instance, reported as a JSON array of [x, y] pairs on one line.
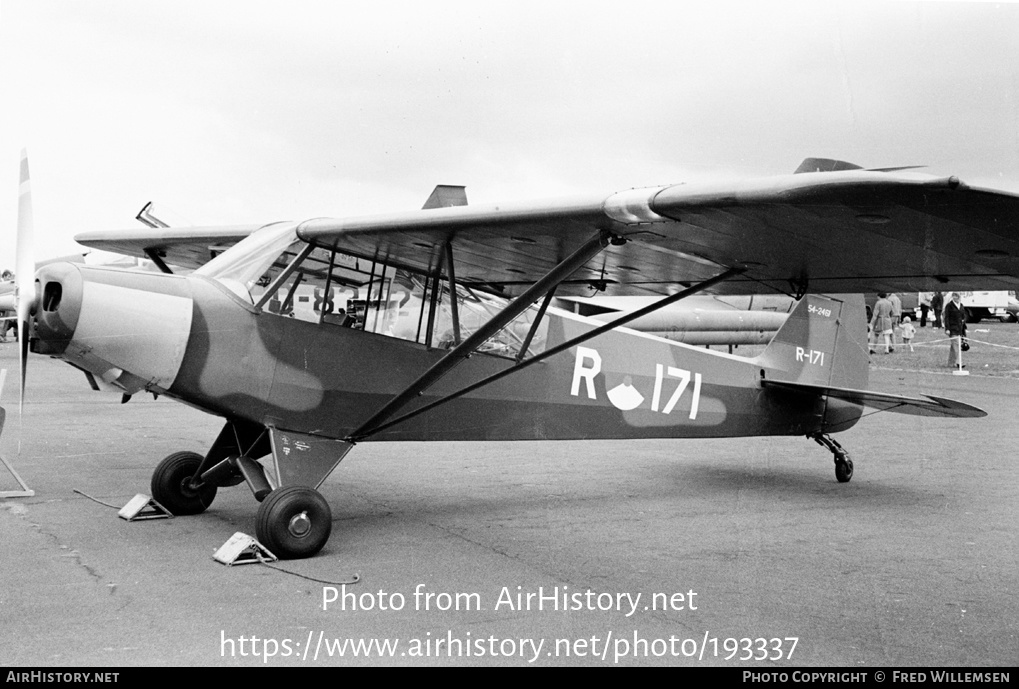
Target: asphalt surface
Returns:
[[913, 563]]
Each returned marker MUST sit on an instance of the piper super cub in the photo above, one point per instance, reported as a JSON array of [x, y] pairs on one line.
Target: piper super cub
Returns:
[[310, 337]]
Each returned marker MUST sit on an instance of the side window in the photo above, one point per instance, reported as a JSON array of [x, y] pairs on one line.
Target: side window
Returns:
[[328, 287], [325, 286]]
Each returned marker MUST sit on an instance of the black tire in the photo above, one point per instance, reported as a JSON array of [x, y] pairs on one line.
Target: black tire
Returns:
[[844, 469], [170, 485], [293, 522]]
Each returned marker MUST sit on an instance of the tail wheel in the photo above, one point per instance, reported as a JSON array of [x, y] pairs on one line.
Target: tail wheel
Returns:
[[294, 522], [171, 485], [844, 469]]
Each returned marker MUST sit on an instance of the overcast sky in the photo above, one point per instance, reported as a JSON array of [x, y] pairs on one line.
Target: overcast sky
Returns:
[[231, 112]]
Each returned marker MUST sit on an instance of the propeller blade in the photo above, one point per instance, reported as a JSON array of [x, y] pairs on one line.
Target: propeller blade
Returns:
[[25, 267]]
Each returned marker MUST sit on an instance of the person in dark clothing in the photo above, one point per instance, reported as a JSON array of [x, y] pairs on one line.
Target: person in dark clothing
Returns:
[[955, 326], [937, 306], [925, 307]]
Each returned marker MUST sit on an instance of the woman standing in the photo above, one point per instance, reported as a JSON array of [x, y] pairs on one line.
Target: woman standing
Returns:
[[881, 323]]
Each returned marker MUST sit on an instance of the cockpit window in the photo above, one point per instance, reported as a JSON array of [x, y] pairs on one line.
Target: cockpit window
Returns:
[[337, 290]]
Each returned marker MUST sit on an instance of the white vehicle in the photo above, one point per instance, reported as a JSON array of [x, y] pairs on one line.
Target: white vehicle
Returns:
[[980, 305]]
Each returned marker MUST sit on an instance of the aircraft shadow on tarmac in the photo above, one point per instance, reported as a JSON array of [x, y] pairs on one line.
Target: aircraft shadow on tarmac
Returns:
[[364, 511], [803, 486]]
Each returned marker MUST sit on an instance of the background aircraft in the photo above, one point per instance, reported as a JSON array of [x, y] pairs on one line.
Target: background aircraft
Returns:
[[701, 320], [481, 354]]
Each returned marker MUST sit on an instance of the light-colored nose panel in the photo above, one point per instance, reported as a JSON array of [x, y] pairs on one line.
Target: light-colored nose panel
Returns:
[[143, 333]]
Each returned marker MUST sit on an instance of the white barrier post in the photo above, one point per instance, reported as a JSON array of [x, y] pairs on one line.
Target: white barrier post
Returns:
[[25, 491], [959, 370]]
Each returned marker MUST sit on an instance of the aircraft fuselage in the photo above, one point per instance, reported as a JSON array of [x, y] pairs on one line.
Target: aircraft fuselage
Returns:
[[193, 339]]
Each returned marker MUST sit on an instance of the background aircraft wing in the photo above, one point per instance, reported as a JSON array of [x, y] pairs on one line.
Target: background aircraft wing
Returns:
[[836, 231], [915, 406]]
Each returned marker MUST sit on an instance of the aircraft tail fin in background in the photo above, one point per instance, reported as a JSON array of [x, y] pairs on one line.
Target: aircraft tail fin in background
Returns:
[[446, 195], [822, 343]]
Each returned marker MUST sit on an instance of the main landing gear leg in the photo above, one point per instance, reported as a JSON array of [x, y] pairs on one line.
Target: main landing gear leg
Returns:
[[293, 519], [843, 463], [186, 482]]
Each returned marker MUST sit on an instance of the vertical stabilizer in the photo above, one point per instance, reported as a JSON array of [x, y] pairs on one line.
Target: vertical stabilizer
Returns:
[[823, 342], [446, 195]]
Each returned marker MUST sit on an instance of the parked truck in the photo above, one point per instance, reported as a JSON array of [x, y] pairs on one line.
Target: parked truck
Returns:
[[981, 305]]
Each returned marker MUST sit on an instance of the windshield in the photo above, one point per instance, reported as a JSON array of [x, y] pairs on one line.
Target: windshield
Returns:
[[249, 259]]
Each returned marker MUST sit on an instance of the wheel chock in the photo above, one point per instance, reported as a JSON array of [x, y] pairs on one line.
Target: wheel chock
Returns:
[[142, 507], [242, 549]]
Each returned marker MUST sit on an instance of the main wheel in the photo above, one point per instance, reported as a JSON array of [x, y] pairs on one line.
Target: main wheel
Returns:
[[171, 485], [844, 469], [294, 522]]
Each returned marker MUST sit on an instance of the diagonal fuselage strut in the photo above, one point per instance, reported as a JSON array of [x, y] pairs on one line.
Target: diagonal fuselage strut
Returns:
[[381, 419]]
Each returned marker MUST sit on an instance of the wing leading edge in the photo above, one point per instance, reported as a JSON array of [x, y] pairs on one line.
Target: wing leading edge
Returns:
[[915, 406]]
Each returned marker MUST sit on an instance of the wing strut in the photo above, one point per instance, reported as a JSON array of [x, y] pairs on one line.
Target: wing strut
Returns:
[[526, 344], [373, 426], [433, 301], [453, 306], [154, 256], [463, 350], [284, 275]]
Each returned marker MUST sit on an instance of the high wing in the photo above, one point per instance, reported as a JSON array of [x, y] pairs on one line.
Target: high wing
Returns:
[[185, 247], [842, 230], [192, 247]]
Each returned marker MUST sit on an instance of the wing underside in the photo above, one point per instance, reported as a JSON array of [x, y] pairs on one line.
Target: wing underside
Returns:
[[847, 231]]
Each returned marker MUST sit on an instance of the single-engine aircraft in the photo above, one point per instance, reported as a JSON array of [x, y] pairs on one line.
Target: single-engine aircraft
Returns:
[[310, 337]]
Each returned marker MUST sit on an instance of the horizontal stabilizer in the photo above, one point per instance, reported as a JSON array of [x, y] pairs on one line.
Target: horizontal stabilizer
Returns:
[[830, 165], [896, 169], [916, 406]]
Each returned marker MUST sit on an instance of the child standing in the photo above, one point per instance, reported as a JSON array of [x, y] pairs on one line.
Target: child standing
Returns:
[[908, 332]]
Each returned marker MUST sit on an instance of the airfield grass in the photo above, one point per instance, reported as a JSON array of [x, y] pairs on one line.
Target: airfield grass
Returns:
[[994, 350]]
